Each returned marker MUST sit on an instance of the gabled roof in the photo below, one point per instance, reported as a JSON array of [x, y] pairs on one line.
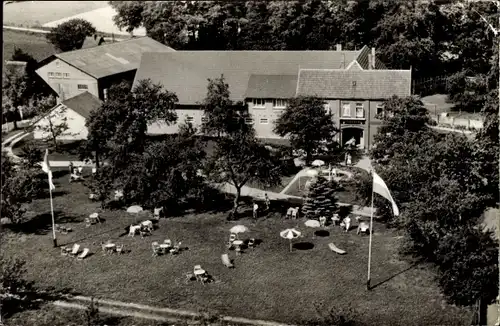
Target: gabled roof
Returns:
[[83, 104], [364, 59], [271, 86], [112, 58], [186, 72], [354, 84], [91, 41]]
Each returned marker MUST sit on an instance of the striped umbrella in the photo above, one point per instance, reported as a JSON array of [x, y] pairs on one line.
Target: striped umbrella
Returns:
[[290, 234]]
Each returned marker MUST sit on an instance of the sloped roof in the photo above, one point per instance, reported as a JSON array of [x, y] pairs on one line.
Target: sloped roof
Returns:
[[83, 104], [186, 72], [271, 86], [351, 84], [363, 59], [112, 58], [91, 41]]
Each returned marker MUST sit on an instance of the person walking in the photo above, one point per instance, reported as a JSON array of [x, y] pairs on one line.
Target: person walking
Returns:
[[255, 209], [349, 159], [267, 201]]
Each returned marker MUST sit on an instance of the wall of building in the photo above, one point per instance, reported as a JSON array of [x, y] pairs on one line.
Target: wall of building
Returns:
[[106, 83], [264, 118], [61, 114], [66, 80], [194, 115]]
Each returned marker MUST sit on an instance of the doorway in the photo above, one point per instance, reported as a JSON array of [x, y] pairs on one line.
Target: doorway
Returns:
[[356, 133]]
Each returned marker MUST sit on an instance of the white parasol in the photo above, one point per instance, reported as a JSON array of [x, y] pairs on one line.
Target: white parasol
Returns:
[[135, 210], [312, 224], [318, 163], [239, 229], [290, 234]]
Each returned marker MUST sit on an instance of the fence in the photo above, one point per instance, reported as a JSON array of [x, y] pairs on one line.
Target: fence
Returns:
[[445, 120], [429, 86]]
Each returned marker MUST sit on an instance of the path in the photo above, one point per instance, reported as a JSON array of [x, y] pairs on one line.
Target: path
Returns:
[[148, 312]]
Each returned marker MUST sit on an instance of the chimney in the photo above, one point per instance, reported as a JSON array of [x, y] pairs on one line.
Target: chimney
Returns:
[[372, 63], [339, 47]]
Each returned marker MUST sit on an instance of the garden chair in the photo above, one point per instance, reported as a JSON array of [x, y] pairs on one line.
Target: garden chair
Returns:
[[75, 177], [232, 237], [289, 212], [119, 249], [147, 225], [226, 261], [88, 222], [238, 250], [175, 250], [347, 223], [93, 197], [197, 267], [74, 251], [251, 243], [133, 230], [83, 254], [64, 251], [295, 213], [168, 242], [156, 248], [363, 227], [334, 248]]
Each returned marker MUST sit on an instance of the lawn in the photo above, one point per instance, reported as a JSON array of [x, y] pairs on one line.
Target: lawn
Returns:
[[268, 282], [33, 44], [346, 196], [66, 150], [37, 13]]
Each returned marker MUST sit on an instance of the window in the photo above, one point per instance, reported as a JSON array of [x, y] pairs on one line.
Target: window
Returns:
[[346, 109], [189, 119], [279, 104], [58, 74], [51, 74], [258, 103], [360, 111], [65, 75], [83, 86], [58, 63], [380, 109], [204, 119], [264, 121], [105, 93], [249, 121], [328, 109]]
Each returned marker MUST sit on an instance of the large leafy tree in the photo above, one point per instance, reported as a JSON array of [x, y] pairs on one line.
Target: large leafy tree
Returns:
[[71, 34], [241, 158], [306, 123], [129, 14], [223, 117], [14, 87], [35, 86]]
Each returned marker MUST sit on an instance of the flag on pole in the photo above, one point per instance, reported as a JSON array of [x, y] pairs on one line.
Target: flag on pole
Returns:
[[46, 169], [380, 188]]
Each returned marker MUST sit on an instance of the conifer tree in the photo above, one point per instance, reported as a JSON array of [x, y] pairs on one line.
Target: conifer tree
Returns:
[[321, 200]]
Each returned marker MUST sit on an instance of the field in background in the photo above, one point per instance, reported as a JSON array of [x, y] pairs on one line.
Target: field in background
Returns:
[[37, 13], [437, 104], [34, 44]]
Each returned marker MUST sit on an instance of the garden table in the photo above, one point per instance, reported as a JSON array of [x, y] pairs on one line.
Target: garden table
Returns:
[[110, 247]]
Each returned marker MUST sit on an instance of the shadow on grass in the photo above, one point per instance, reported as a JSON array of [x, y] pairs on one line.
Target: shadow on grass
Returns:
[[33, 299], [303, 246], [94, 235], [322, 233], [57, 193], [39, 224], [393, 276]]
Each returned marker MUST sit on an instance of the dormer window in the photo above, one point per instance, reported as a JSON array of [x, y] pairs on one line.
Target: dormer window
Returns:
[[259, 103], [279, 104]]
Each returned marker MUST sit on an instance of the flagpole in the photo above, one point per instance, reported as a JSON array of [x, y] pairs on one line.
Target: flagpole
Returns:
[[370, 244], [54, 239]]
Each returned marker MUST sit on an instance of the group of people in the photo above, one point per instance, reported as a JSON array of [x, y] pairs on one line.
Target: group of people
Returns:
[[256, 211]]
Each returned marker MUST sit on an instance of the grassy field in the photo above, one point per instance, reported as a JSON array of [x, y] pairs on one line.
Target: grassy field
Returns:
[[268, 282], [33, 44], [37, 13], [346, 196], [66, 151]]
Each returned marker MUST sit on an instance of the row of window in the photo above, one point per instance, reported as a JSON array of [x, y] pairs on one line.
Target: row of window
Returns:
[[59, 74], [259, 103], [249, 121]]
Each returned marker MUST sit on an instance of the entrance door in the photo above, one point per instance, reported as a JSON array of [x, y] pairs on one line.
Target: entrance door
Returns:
[[357, 134]]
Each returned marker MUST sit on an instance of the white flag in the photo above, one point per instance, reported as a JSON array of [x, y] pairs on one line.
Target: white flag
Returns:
[[46, 169], [380, 188]]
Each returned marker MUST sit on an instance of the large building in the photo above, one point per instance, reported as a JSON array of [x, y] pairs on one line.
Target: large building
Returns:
[[97, 68], [354, 84]]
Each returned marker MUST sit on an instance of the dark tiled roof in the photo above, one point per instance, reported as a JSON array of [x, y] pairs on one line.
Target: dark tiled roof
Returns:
[[112, 58], [186, 72], [353, 84], [91, 41], [271, 86], [364, 57], [83, 104]]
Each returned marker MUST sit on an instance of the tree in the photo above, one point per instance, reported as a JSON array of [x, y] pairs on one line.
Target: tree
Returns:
[[128, 14], [239, 159], [54, 122], [307, 124], [118, 128], [223, 116], [35, 85], [13, 284], [321, 200], [101, 184], [14, 86], [70, 35]]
